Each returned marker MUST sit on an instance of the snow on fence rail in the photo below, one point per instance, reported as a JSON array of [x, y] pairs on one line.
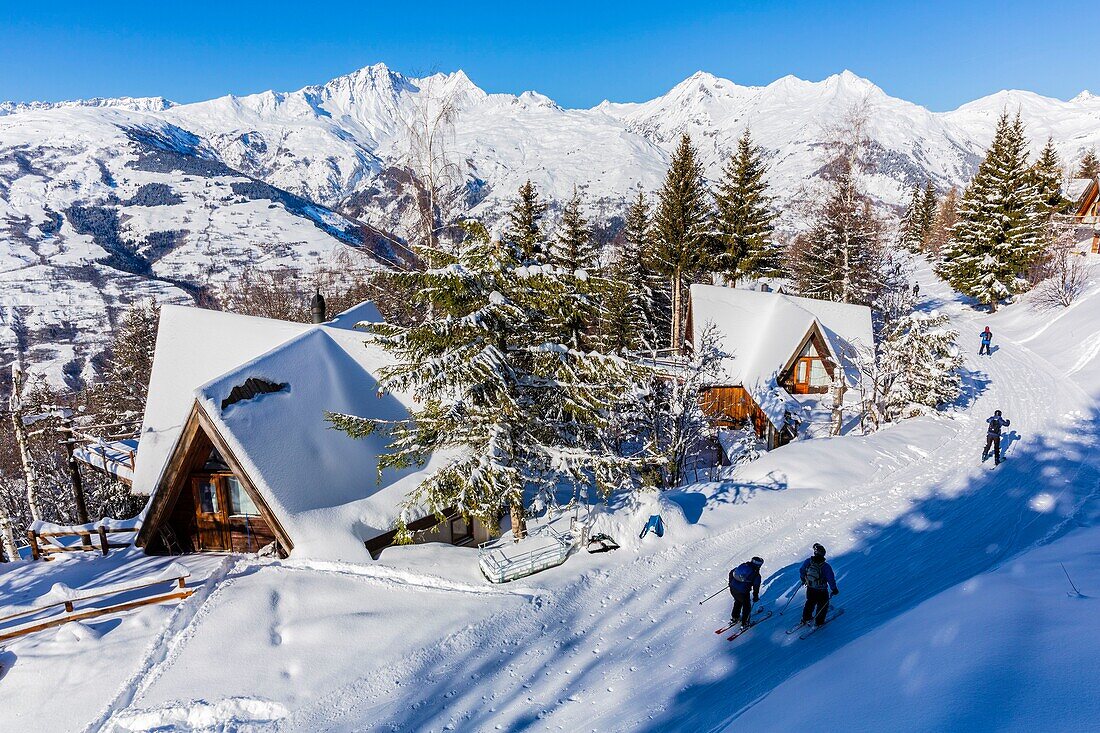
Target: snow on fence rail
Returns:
[[62, 596], [44, 537], [502, 559]]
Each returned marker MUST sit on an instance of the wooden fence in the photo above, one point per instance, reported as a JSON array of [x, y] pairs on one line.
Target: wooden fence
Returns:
[[43, 544], [67, 600]]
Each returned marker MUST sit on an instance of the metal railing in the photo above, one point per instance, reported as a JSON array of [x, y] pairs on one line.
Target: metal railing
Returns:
[[500, 568]]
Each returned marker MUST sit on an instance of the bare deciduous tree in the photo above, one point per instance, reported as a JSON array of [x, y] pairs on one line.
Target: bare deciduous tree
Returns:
[[1064, 274]]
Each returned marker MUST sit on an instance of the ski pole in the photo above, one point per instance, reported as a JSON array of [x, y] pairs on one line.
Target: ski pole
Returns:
[[790, 599], [712, 595]]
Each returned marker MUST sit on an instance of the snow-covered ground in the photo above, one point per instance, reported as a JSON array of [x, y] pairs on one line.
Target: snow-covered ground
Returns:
[[957, 613]]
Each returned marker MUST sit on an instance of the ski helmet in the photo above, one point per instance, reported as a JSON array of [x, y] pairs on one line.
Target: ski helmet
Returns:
[[758, 561], [997, 413], [819, 551]]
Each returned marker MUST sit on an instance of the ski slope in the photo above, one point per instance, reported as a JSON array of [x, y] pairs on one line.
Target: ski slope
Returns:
[[955, 615]]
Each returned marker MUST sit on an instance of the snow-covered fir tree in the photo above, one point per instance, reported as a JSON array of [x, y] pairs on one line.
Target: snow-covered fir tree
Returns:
[[575, 255], [1047, 176], [120, 396], [635, 310], [524, 228], [841, 257], [743, 217], [921, 361], [1088, 166], [1000, 228], [682, 230], [499, 387], [919, 219]]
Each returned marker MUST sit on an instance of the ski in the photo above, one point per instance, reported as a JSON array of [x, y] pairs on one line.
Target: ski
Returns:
[[754, 622], [796, 627], [828, 619], [756, 612]]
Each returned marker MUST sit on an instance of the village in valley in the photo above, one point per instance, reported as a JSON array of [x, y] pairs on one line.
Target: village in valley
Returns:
[[487, 421]]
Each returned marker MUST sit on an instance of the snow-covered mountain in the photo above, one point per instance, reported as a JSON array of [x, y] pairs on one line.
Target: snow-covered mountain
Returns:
[[105, 200]]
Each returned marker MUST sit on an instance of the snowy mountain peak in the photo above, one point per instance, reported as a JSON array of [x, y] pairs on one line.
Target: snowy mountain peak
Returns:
[[133, 104], [1085, 96]]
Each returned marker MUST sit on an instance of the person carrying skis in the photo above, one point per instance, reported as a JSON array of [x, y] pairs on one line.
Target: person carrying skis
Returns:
[[993, 437], [745, 581], [987, 338], [817, 576]]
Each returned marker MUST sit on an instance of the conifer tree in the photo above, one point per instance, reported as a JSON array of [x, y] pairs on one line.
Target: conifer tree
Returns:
[[999, 232], [575, 254], [574, 247], [1089, 167], [743, 217], [524, 228], [926, 214], [909, 228], [841, 257], [498, 387], [640, 311], [682, 233], [1046, 174], [121, 395], [921, 361]]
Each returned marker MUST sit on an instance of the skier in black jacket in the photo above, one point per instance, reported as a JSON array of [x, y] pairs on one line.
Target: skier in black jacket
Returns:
[[993, 437], [817, 576]]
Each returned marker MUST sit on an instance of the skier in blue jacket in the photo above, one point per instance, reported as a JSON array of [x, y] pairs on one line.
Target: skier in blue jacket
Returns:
[[745, 580], [987, 338], [817, 576]]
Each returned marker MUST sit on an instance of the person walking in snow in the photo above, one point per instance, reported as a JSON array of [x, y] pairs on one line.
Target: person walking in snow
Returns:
[[993, 437], [745, 582], [817, 576], [916, 290], [987, 338]]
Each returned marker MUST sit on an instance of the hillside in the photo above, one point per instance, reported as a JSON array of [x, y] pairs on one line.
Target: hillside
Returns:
[[104, 201], [948, 570]]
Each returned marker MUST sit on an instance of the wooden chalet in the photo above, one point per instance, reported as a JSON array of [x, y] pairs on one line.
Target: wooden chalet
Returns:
[[1085, 195], [780, 348], [237, 456]]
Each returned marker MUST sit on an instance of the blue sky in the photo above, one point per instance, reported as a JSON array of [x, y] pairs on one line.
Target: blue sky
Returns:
[[578, 53]]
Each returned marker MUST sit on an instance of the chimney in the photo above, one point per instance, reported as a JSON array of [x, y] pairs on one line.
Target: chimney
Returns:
[[317, 308]]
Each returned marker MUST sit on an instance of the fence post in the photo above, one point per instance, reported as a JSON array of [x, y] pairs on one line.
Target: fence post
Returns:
[[33, 537], [103, 539]]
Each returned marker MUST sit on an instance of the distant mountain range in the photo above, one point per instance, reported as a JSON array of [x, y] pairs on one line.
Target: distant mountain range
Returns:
[[106, 200]]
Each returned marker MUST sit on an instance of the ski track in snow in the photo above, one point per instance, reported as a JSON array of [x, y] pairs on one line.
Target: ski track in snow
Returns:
[[163, 650]]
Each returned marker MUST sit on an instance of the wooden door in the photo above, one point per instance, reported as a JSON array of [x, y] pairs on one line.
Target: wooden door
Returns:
[[211, 515]]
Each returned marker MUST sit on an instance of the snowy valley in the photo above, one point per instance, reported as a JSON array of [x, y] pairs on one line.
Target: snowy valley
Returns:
[[107, 201]]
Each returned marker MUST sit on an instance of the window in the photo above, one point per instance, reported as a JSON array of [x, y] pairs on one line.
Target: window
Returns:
[[819, 376], [461, 531], [208, 496], [240, 503]]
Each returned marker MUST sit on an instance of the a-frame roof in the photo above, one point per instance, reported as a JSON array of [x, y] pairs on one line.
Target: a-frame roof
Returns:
[[320, 485], [761, 332]]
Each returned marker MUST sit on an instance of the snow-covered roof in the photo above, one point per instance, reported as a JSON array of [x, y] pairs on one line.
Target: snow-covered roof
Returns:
[[321, 485], [1076, 188], [115, 457], [760, 331]]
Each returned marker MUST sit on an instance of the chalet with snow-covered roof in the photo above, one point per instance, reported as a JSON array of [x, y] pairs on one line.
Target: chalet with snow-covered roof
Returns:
[[783, 353], [1085, 195], [236, 454]]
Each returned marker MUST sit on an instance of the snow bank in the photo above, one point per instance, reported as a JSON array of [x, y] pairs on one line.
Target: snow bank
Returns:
[[624, 522]]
